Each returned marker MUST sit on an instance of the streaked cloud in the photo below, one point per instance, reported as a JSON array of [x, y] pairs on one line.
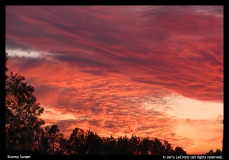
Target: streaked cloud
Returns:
[[144, 70]]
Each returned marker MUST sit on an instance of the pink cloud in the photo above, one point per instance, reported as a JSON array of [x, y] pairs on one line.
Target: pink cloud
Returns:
[[104, 62]]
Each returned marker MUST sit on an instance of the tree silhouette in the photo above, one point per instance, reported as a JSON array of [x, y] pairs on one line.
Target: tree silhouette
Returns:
[[109, 145], [65, 146], [145, 146], [94, 143], [179, 151], [23, 131], [168, 148], [123, 146], [217, 152], [52, 139], [77, 142], [157, 147], [21, 114], [20, 98], [134, 144]]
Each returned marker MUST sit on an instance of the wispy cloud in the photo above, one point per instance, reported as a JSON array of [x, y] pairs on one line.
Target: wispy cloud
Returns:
[[112, 67]]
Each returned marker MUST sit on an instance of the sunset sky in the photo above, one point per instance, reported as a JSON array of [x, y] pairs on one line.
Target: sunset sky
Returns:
[[152, 71]]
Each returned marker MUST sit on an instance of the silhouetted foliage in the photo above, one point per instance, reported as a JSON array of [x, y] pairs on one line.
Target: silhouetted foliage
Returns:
[[123, 146], [179, 151], [217, 152], [52, 139], [109, 145], [157, 147], [134, 144], [25, 134], [93, 143], [168, 148], [22, 125], [77, 142]]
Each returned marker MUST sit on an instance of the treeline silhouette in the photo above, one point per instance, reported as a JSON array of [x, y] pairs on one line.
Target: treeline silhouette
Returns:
[[24, 132], [217, 152]]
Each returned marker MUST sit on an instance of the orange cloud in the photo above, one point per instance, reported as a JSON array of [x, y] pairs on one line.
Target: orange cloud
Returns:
[[110, 69]]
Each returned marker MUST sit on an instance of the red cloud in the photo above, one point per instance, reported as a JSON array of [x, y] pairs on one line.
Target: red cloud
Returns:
[[104, 62]]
